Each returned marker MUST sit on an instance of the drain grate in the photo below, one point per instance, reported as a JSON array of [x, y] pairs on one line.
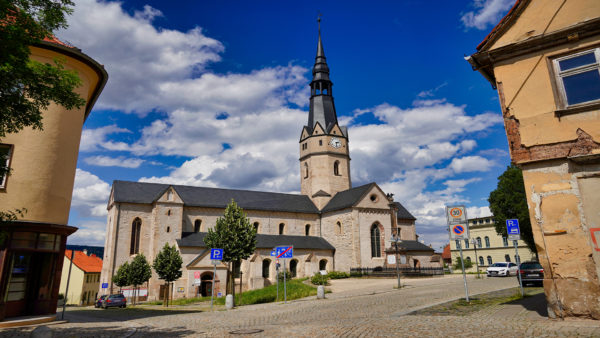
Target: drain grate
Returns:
[[246, 331]]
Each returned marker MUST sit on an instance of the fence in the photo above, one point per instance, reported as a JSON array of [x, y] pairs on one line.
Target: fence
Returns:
[[391, 272]]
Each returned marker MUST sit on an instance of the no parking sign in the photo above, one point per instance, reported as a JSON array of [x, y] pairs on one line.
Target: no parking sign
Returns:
[[457, 222]]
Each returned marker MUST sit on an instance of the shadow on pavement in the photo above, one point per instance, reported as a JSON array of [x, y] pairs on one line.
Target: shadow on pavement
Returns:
[[95, 331], [93, 315], [535, 303]]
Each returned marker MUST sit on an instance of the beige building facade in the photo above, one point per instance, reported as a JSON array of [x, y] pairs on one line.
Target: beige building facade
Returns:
[[84, 280], [331, 225], [544, 60], [486, 247]]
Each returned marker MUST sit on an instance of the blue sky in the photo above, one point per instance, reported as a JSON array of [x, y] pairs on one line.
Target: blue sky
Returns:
[[216, 94]]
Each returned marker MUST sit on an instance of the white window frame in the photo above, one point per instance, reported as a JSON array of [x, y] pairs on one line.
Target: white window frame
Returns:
[[558, 75], [8, 158]]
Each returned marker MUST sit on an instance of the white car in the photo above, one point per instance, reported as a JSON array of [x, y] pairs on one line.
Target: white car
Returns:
[[502, 269]]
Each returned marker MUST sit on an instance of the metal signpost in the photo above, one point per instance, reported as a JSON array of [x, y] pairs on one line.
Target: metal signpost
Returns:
[[216, 255], [396, 240], [274, 254], [514, 234], [459, 230], [284, 252], [474, 241]]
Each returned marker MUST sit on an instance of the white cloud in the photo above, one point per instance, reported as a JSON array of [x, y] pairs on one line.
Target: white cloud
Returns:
[[475, 212], [486, 13], [89, 233], [95, 139], [90, 194], [107, 161], [470, 164]]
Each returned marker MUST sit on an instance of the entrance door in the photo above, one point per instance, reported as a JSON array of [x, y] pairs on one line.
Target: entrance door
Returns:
[[206, 285], [16, 293]]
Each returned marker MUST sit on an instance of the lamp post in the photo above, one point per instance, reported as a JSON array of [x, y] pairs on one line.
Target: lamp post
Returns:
[[474, 241], [395, 240]]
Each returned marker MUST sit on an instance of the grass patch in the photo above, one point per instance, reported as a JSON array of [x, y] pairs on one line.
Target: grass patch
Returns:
[[295, 289], [463, 308]]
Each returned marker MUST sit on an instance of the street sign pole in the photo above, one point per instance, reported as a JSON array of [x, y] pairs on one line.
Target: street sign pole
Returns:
[[216, 255], [212, 289], [519, 270], [277, 277], [284, 284], [462, 263]]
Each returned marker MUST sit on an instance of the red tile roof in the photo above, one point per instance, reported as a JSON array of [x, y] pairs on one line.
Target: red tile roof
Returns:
[[55, 40], [446, 253], [91, 263], [492, 35]]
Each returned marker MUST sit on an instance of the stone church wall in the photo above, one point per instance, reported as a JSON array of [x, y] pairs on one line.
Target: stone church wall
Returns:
[[366, 219], [342, 238]]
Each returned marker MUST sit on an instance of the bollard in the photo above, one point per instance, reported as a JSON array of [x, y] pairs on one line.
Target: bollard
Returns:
[[320, 292], [229, 302]]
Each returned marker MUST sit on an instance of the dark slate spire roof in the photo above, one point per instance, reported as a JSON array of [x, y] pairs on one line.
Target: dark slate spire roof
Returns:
[[403, 213], [196, 239], [147, 193], [322, 108]]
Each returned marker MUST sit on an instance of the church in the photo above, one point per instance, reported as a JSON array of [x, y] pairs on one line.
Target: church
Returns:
[[331, 225]]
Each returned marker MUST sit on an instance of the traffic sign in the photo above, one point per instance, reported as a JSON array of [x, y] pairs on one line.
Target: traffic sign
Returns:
[[459, 231], [105, 285], [512, 227], [284, 251], [456, 214], [274, 252], [216, 254]]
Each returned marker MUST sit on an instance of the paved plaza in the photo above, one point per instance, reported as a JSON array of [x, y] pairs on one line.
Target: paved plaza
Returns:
[[356, 307]]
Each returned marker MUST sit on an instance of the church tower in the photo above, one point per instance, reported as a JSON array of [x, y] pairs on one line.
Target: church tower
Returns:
[[324, 156]]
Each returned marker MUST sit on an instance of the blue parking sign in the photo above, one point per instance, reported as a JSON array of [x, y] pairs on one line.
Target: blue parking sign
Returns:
[[216, 254], [512, 227]]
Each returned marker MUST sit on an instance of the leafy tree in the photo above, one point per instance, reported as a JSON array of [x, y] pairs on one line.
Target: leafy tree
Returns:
[[167, 265], [457, 265], [235, 235], [509, 201], [139, 272], [121, 278]]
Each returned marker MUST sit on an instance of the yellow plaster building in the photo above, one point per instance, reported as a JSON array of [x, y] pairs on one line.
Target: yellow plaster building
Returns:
[[85, 278], [544, 60]]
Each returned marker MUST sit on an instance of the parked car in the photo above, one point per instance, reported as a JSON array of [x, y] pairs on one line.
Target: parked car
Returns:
[[531, 272], [502, 269], [117, 300], [98, 302]]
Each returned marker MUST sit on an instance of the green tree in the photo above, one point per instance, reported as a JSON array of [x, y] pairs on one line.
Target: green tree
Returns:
[[235, 235], [509, 201], [139, 273], [121, 278], [167, 265], [458, 266]]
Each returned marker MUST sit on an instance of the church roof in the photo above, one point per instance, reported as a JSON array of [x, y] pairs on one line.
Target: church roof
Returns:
[[347, 198], [411, 246], [196, 239], [403, 213], [147, 193]]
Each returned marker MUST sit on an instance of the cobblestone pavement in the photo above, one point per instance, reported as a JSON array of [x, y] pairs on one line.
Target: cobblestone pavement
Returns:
[[355, 312]]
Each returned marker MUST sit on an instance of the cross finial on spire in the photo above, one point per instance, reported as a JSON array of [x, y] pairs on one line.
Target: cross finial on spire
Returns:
[[319, 21]]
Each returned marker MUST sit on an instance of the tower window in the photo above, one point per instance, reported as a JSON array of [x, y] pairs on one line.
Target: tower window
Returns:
[[136, 229], [320, 142], [256, 226], [305, 170], [307, 230], [281, 228], [197, 224], [325, 91], [169, 212], [338, 228], [336, 168], [168, 229]]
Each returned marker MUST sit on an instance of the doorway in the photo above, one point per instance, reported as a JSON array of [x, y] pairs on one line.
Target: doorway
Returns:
[[206, 284]]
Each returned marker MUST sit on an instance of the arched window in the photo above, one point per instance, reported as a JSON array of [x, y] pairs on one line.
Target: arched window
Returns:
[[305, 170], [468, 258], [336, 168], [197, 225], [487, 242], [168, 229], [306, 230], [505, 241], [293, 267], [136, 229], [507, 258], [169, 212], [479, 242], [323, 264], [375, 241], [256, 226], [338, 227], [281, 228], [466, 243], [481, 260], [489, 259], [266, 266]]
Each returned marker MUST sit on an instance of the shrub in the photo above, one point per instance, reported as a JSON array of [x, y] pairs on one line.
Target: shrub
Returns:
[[61, 296], [338, 275], [319, 279], [458, 266], [355, 274], [288, 276]]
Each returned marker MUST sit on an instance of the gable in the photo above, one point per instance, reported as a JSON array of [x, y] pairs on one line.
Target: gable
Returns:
[[318, 130], [336, 130], [534, 18], [170, 195], [374, 198], [305, 133]]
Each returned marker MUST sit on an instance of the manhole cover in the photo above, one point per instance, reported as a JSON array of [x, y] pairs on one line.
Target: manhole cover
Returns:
[[246, 331]]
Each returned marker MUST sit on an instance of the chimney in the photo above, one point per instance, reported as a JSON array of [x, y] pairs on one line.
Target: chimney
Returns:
[[92, 255], [85, 252]]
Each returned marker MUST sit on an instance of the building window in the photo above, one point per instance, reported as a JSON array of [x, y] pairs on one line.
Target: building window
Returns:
[[487, 242], [169, 212], [256, 225], [489, 259], [338, 227], [457, 243], [320, 142], [307, 230], [479, 242], [323, 264], [578, 77], [480, 260], [505, 242], [169, 195], [168, 229], [305, 170], [375, 241], [336, 168], [468, 258], [266, 266], [293, 268], [5, 154], [281, 228], [507, 258], [136, 229], [466, 243], [197, 225]]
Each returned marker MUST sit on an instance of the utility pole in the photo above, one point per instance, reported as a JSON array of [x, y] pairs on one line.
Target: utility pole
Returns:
[[474, 241], [396, 239]]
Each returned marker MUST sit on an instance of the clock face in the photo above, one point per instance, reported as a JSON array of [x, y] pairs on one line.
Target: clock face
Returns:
[[335, 142]]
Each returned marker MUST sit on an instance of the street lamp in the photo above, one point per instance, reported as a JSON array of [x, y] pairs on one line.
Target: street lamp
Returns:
[[474, 241], [395, 240]]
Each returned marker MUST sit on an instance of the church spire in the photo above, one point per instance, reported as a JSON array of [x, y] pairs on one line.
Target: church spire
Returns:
[[322, 109]]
